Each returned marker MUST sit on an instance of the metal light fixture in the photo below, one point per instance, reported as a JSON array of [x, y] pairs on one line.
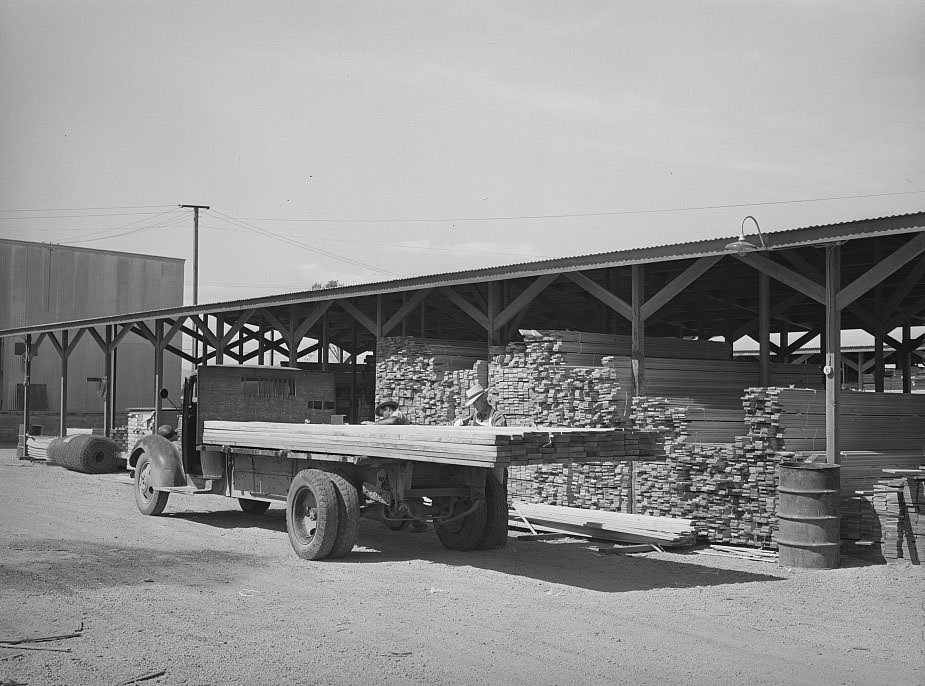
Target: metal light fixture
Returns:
[[743, 245]]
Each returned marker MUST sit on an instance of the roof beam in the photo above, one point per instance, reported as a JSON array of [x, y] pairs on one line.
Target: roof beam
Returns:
[[474, 313], [367, 322], [887, 266], [786, 276], [416, 299], [523, 300], [678, 284], [615, 303]]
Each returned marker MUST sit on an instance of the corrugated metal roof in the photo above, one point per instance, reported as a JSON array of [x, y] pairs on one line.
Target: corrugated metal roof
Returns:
[[790, 238]]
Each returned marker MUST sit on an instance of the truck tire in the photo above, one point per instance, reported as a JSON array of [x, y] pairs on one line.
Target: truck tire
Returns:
[[348, 516], [463, 534], [254, 507], [311, 514], [496, 514], [149, 501]]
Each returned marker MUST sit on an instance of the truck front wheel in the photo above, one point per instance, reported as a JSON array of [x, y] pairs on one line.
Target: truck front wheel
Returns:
[[312, 514], [149, 501]]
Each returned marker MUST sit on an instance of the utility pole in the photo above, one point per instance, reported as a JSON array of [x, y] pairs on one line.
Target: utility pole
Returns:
[[196, 209]]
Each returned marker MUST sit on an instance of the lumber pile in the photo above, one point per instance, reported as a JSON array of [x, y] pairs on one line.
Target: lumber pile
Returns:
[[715, 384], [592, 346], [38, 446], [476, 446], [900, 506], [880, 422], [610, 526], [120, 436], [139, 423], [428, 377]]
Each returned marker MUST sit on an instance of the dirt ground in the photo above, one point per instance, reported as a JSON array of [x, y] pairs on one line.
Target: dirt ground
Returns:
[[212, 595]]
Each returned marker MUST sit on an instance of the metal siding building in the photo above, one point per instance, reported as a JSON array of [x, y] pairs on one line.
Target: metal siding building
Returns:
[[42, 283]]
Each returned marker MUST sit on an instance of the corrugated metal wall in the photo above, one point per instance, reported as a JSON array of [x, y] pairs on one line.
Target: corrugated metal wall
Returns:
[[48, 283]]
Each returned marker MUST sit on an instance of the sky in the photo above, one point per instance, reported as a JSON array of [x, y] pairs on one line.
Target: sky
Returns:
[[365, 141]]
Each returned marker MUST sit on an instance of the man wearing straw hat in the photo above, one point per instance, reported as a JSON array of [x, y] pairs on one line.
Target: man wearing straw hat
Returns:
[[481, 412], [387, 412]]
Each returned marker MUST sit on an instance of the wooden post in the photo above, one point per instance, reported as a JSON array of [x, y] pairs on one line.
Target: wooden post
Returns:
[[107, 389], [639, 332], [493, 308], [26, 383], [220, 339], [293, 344], [113, 379], [158, 369], [878, 362], [905, 358], [354, 411], [832, 353], [261, 344], [764, 329], [324, 348], [62, 418]]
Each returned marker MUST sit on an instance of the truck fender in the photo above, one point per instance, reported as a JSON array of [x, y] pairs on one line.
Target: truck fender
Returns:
[[166, 465]]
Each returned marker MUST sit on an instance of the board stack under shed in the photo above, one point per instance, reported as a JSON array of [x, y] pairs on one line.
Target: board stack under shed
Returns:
[[429, 378]]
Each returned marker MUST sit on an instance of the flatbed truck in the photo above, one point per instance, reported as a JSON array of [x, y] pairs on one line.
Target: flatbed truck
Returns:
[[325, 493]]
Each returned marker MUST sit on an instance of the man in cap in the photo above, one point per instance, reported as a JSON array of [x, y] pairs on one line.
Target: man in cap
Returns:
[[387, 412], [481, 412]]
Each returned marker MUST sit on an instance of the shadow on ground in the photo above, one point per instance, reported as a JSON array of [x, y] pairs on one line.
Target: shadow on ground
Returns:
[[570, 562]]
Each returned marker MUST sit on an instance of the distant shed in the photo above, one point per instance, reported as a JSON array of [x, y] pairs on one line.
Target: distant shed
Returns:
[[42, 282]]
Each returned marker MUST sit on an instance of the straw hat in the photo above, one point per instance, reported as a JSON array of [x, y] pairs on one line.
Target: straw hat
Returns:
[[384, 404], [474, 394]]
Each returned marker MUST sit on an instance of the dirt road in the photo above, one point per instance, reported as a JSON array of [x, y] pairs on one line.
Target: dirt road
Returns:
[[215, 596]]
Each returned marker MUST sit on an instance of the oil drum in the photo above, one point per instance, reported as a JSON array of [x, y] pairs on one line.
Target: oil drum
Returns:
[[808, 514]]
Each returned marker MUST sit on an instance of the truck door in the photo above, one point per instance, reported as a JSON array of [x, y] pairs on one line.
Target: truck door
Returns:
[[190, 430]]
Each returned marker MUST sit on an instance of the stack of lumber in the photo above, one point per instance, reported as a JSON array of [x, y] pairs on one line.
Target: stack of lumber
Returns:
[[882, 422], [713, 383], [610, 526], [477, 446], [589, 485], [588, 348], [900, 506], [139, 423], [535, 384], [38, 446], [511, 378], [428, 377], [684, 420], [120, 436]]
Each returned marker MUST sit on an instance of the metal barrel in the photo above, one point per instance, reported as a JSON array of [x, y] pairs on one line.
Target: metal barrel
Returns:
[[809, 515]]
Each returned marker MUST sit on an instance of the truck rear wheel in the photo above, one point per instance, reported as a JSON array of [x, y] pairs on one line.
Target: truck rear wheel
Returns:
[[311, 514], [254, 507], [149, 501], [348, 516], [464, 533], [496, 514]]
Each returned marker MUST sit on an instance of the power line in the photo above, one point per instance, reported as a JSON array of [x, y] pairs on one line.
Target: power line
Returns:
[[401, 246], [284, 239], [83, 209], [574, 215], [107, 233]]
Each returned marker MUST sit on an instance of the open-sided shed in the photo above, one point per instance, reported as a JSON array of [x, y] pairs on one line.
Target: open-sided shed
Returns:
[[782, 289]]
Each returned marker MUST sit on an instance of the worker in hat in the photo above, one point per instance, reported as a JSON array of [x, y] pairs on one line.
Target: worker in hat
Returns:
[[387, 412], [481, 412]]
